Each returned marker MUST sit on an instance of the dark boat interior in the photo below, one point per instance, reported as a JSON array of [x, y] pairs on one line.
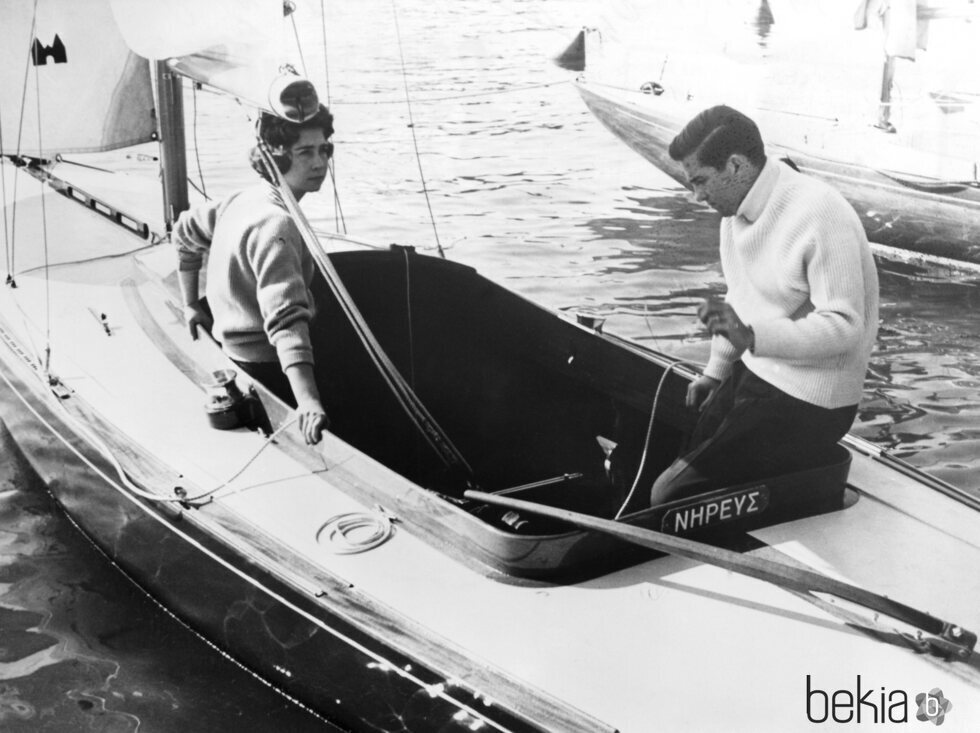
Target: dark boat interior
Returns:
[[538, 406], [522, 394]]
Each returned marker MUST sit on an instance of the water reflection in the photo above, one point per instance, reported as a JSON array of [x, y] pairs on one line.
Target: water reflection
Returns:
[[666, 232], [83, 649], [921, 397], [659, 259]]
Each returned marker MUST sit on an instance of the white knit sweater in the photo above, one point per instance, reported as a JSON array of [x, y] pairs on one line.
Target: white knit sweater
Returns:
[[258, 274], [800, 272]]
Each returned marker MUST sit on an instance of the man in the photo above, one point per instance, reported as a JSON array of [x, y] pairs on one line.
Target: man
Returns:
[[791, 342], [905, 26], [259, 271]]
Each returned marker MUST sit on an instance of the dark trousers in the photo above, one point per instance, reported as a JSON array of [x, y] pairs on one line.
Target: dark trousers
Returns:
[[750, 430], [272, 377]]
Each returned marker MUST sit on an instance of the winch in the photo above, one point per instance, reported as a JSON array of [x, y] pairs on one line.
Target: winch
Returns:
[[226, 405]]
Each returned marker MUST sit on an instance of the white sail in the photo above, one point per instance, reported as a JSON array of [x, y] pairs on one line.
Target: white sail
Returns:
[[236, 46], [68, 82]]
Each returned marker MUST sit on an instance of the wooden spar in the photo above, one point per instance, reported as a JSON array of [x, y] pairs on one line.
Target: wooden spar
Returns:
[[170, 103], [950, 639]]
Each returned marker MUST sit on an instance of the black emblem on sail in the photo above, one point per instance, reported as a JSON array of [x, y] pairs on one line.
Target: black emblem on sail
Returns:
[[56, 52]]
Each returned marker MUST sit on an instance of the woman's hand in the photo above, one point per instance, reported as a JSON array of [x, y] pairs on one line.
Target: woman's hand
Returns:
[[312, 417], [313, 421], [196, 315]]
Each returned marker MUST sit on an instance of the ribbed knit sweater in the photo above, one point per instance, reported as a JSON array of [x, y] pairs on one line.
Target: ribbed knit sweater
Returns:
[[799, 270], [258, 274]]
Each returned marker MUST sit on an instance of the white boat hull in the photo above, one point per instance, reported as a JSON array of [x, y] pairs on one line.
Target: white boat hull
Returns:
[[414, 630]]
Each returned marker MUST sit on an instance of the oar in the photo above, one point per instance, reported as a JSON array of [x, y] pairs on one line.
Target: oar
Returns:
[[948, 639]]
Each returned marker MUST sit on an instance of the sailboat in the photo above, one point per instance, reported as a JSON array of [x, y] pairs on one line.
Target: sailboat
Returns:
[[916, 189], [468, 548]]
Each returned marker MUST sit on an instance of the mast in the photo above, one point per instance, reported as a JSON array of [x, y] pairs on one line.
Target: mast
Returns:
[[170, 108]]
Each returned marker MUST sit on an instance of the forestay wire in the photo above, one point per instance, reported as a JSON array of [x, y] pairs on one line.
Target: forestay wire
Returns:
[[7, 230], [411, 126], [10, 233], [338, 210], [44, 238]]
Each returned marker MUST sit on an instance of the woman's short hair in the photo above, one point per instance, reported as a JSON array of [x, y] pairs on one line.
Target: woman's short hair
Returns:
[[278, 132], [717, 133], [281, 134]]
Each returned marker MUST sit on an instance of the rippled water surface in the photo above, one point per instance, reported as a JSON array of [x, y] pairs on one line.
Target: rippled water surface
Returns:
[[524, 185]]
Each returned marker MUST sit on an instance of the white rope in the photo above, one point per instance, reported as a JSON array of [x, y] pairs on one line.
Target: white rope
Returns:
[[180, 495], [345, 533], [646, 440], [266, 443]]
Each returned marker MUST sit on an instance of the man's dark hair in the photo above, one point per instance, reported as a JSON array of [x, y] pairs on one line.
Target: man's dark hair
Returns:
[[716, 133], [281, 134]]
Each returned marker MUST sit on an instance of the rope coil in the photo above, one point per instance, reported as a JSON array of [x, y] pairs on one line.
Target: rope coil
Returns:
[[345, 533]]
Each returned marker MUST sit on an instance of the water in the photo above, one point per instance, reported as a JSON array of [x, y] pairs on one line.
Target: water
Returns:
[[524, 185], [82, 648]]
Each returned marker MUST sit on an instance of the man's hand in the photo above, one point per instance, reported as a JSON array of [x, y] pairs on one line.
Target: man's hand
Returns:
[[196, 315], [722, 320], [700, 391]]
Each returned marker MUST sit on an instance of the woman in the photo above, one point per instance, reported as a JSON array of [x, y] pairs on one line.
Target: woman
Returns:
[[259, 270]]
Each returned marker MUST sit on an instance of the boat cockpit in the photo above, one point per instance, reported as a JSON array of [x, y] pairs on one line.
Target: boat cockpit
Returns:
[[538, 408]]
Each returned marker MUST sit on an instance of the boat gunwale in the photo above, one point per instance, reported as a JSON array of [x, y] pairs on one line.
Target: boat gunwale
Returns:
[[316, 590]]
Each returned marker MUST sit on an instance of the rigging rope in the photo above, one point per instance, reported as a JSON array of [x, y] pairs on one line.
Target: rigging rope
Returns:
[[323, 36], [411, 126], [197, 148], [44, 213], [646, 441], [408, 315], [404, 394], [20, 136], [180, 496], [340, 223], [7, 232], [156, 240], [265, 444], [338, 210], [10, 234], [44, 239], [299, 46]]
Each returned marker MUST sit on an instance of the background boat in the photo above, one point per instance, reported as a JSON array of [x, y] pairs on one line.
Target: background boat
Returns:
[[563, 292], [916, 188]]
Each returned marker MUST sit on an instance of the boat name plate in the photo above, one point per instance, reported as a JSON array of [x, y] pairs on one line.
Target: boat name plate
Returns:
[[716, 510]]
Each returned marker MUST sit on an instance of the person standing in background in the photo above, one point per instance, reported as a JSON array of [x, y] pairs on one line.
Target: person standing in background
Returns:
[[905, 29]]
